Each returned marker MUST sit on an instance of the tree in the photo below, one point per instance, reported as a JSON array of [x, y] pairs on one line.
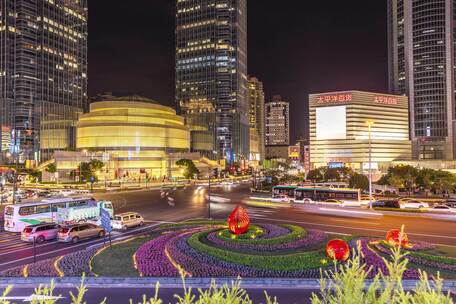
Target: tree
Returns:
[[85, 171], [315, 175], [96, 165], [189, 168], [332, 174], [444, 181], [359, 181], [51, 168]]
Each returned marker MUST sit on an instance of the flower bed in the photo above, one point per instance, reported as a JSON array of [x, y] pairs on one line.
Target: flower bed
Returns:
[[312, 238], [376, 262], [295, 232], [432, 261], [77, 263], [202, 265], [285, 262], [43, 268], [151, 259]]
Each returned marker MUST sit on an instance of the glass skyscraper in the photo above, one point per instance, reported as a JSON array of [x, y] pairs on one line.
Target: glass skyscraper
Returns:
[[211, 76], [422, 66], [43, 74]]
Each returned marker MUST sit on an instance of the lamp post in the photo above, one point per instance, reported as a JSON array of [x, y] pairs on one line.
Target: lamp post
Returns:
[[369, 128], [2, 188]]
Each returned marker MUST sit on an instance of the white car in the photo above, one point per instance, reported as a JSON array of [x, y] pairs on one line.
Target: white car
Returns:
[[412, 204], [281, 199], [123, 221], [443, 208], [67, 192]]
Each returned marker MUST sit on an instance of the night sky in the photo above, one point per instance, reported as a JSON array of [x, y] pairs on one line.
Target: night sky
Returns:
[[296, 47]]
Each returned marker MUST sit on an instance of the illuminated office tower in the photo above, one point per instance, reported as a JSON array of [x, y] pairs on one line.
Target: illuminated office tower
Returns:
[[211, 76], [43, 74], [277, 121], [421, 66], [256, 118]]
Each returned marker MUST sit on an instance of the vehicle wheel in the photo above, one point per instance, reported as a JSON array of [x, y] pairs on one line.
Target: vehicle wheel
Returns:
[[306, 201], [421, 207], [75, 240], [101, 234], [124, 227], [40, 239], [141, 224]]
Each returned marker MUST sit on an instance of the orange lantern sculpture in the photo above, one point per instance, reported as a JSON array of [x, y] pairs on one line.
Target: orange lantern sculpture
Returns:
[[337, 250], [395, 237], [238, 221]]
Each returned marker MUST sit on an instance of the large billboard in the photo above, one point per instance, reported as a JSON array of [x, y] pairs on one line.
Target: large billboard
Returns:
[[331, 123]]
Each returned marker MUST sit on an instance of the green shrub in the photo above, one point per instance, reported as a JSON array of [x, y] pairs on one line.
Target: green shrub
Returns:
[[294, 261], [295, 233]]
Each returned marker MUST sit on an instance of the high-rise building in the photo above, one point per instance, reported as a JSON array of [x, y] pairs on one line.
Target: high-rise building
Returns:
[[211, 76], [256, 118], [344, 125], [43, 74], [421, 66], [277, 122]]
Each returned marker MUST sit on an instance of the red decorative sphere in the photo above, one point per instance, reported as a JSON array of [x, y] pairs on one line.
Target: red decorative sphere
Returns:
[[395, 238], [238, 221], [337, 250]]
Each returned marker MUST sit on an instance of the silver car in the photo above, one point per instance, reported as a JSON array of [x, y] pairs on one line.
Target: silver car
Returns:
[[75, 233], [40, 232]]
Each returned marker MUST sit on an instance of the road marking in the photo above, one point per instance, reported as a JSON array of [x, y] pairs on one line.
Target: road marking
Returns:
[[351, 211], [358, 228], [358, 222], [78, 245], [338, 233]]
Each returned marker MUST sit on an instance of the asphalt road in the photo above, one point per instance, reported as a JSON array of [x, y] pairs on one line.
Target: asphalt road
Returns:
[[175, 205]]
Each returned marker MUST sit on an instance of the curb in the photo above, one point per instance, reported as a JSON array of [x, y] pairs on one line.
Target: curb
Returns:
[[248, 283]]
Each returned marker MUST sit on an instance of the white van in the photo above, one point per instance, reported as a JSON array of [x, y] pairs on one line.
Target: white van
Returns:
[[126, 220]]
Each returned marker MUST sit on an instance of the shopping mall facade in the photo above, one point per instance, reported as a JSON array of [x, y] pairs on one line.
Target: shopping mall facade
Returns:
[[136, 137], [339, 129]]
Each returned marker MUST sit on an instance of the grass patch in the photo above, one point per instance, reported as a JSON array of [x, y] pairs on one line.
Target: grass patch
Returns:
[[448, 251], [287, 262], [118, 260], [295, 233]]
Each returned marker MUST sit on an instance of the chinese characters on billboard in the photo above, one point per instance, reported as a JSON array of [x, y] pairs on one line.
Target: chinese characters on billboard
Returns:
[[334, 98]]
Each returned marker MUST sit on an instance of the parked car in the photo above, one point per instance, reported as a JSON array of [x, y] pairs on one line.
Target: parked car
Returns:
[[40, 232], [443, 208], [75, 233], [414, 204], [386, 204], [127, 220]]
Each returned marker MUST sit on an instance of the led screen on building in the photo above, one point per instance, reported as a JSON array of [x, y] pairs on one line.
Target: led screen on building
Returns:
[[331, 123]]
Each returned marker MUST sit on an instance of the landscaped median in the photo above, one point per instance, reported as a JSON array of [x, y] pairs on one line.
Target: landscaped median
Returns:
[[207, 249]]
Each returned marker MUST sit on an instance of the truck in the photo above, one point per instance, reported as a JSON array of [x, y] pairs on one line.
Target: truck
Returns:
[[85, 213]]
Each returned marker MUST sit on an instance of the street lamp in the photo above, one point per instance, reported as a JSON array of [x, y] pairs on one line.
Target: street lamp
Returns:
[[369, 128]]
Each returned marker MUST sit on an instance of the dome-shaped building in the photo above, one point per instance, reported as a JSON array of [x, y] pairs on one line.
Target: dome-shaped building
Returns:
[[138, 134]]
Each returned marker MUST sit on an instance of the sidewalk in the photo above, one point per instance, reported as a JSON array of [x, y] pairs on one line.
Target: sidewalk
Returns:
[[248, 283]]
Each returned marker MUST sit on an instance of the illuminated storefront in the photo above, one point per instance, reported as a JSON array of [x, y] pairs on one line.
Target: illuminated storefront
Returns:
[[139, 136], [339, 131]]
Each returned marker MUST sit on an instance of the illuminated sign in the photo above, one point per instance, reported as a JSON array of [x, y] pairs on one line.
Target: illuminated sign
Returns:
[[386, 100], [294, 152], [334, 98]]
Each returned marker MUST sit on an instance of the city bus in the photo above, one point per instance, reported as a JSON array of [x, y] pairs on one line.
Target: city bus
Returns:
[[320, 194], [283, 193], [19, 216]]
